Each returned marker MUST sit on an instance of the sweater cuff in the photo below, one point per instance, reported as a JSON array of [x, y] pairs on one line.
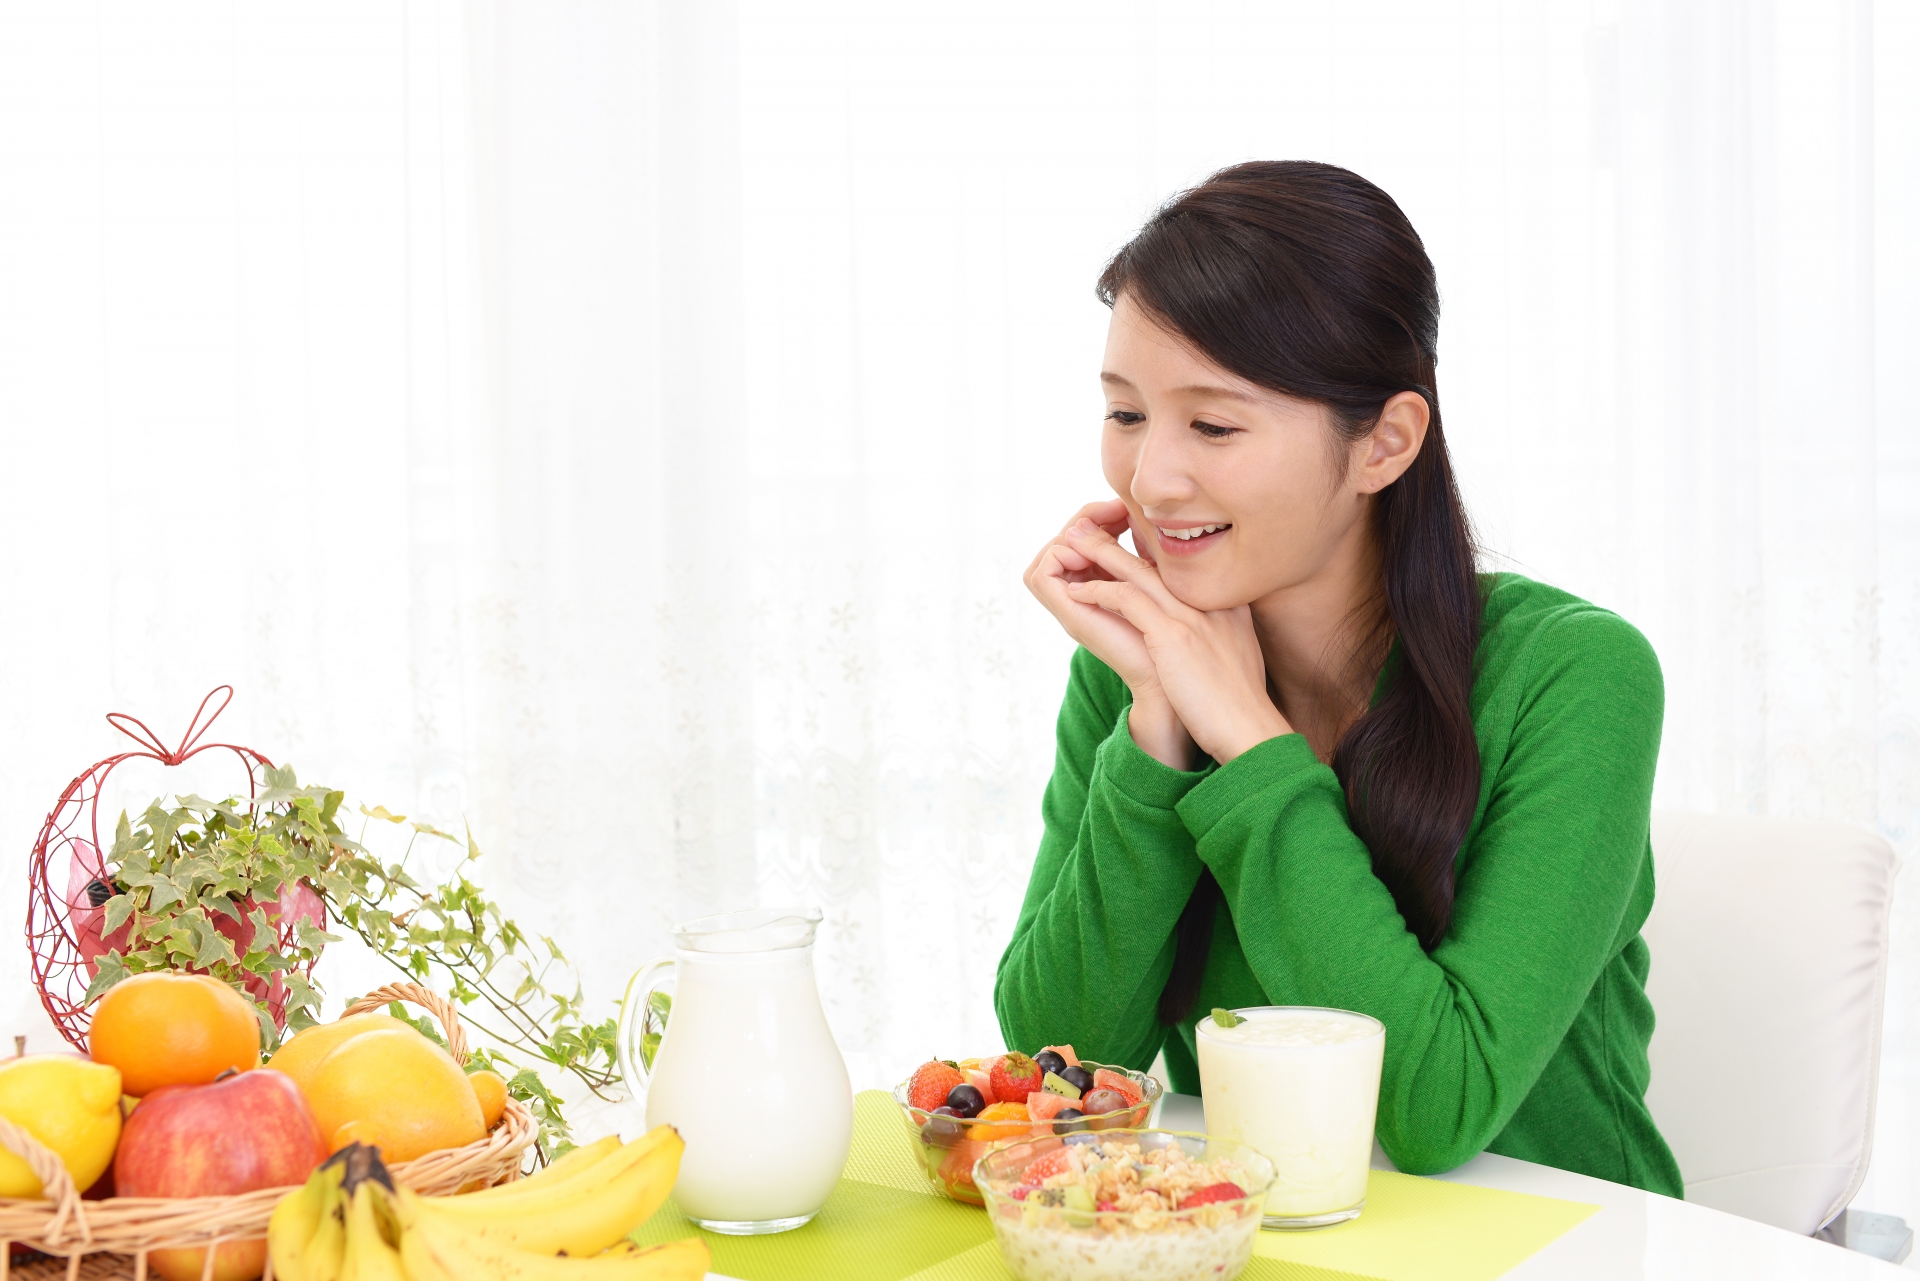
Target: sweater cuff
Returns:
[[1282, 761], [1140, 777]]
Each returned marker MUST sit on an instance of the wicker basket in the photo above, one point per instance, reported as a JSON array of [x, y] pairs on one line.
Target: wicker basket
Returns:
[[111, 1238]]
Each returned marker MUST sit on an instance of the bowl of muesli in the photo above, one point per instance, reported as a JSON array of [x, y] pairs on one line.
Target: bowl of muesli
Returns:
[[1125, 1205]]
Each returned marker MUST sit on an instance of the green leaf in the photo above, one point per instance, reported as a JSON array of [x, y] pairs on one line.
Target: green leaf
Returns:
[[420, 1023], [1226, 1018], [225, 906], [212, 947], [473, 849], [112, 969], [269, 1033], [382, 812], [165, 895], [314, 939], [119, 908], [649, 1046], [660, 1005]]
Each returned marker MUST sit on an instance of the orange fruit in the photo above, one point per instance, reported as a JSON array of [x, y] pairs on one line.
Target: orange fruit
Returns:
[[164, 1028], [491, 1089], [299, 1057], [396, 1090], [1014, 1112]]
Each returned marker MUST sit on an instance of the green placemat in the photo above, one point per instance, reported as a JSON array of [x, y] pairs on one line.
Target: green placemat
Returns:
[[885, 1222]]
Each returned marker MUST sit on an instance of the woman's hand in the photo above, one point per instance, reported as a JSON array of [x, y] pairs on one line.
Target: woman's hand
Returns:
[[1206, 664], [1111, 638]]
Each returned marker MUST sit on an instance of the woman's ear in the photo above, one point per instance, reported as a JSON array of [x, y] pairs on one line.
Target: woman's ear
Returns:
[[1390, 448]]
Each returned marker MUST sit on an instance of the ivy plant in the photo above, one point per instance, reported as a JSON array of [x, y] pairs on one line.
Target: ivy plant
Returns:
[[177, 874]]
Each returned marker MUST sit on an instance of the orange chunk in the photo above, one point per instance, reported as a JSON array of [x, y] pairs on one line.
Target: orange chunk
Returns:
[[1015, 1114]]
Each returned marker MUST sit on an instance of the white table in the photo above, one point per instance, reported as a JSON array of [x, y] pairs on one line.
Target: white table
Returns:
[[1635, 1234]]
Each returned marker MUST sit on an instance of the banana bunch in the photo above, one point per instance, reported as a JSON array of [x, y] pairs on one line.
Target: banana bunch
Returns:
[[571, 1220]]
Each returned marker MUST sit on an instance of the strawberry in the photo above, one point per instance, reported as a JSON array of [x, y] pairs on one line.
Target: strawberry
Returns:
[[1211, 1193], [1105, 1079], [928, 1088], [1059, 1161], [1015, 1076]]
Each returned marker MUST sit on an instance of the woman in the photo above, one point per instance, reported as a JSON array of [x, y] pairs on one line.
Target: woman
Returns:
[[1307, 756]]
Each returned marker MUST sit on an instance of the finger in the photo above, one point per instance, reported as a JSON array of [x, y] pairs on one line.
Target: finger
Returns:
[[1124, 599], [1100, 547], [1085, 621], [1109, 514], [1057, 560]]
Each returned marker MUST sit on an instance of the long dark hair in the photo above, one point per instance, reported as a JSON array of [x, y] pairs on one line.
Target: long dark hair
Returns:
[[1309, 280]]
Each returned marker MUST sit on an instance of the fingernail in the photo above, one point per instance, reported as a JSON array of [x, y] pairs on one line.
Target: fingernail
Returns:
[[1083, 526]]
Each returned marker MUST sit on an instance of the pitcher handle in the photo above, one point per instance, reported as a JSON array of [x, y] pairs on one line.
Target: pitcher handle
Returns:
[[634, 1009]]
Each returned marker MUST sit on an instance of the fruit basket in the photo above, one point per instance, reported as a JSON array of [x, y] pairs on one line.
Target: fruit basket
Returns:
[[111, 1238]]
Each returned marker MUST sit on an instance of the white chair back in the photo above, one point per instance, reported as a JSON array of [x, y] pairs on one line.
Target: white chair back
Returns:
[[1769, 941]]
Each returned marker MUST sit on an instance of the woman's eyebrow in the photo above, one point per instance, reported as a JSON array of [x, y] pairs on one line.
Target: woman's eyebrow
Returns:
[[1197, 389]]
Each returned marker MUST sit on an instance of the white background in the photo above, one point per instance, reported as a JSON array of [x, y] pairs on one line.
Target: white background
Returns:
[[621, 426]]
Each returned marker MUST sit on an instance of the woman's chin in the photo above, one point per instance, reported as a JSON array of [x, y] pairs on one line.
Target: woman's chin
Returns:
[[1203, 592]]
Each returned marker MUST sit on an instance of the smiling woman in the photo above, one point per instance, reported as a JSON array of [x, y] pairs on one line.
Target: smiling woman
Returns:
[[1307, 755]]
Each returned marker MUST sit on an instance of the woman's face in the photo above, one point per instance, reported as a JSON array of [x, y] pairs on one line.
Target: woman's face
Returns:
[[1235, 492]]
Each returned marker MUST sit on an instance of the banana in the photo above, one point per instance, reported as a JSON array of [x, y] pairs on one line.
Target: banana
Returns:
[[326, 1252], [437, 1250], [368, 1256], [295, 1222], [292, 1225], [573, 1165], [580, 1216]]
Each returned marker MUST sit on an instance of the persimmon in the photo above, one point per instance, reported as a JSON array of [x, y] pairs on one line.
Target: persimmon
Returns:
[[166, 1028]]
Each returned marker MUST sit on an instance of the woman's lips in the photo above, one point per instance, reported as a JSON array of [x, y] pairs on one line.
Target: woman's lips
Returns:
[[1168, 545]]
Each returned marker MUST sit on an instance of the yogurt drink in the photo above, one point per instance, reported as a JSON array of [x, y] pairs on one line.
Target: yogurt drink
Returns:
[[1298, 1084]]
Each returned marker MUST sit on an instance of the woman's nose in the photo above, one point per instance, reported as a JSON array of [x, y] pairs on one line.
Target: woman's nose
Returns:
[[1160, 477]]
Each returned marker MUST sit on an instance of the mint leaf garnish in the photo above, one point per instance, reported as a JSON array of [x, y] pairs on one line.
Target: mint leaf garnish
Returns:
[[1226, 1018]]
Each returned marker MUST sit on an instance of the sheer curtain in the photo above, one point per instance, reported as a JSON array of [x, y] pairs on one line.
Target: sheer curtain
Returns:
[[622, 426]]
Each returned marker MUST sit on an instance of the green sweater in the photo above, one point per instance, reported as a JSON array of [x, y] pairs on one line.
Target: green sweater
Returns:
[[1524, 1032]]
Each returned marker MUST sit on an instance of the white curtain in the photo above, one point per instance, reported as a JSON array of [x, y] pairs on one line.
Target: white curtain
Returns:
[[622, 425]]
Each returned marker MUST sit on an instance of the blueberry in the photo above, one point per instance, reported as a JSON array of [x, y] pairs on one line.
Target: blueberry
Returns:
[[1050, 1061], [1076, 1076], [1067, 1120], [965, 1100], [943, 1128]]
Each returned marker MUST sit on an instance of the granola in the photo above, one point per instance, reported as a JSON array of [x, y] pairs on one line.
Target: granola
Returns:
[[1091, 1210]]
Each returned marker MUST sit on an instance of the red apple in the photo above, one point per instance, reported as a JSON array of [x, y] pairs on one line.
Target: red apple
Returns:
[[246, 1130]]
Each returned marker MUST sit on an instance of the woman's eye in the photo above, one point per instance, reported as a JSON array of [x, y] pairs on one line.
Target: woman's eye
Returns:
[[1126, 417], [1213, 431]]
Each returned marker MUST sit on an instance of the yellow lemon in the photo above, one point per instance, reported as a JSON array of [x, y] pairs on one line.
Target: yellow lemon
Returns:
[[69, 1103], [396, 1090], [301, 1056]]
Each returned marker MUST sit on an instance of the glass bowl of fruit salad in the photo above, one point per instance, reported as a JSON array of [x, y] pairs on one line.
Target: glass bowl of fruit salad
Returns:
[[1124, 1205], [957, 1110]]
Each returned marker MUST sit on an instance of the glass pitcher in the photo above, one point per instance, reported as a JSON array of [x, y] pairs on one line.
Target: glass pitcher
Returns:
[[746, 1070]]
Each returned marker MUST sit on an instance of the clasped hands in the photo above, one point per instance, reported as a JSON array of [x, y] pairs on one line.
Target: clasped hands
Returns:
[[1197, 676]]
